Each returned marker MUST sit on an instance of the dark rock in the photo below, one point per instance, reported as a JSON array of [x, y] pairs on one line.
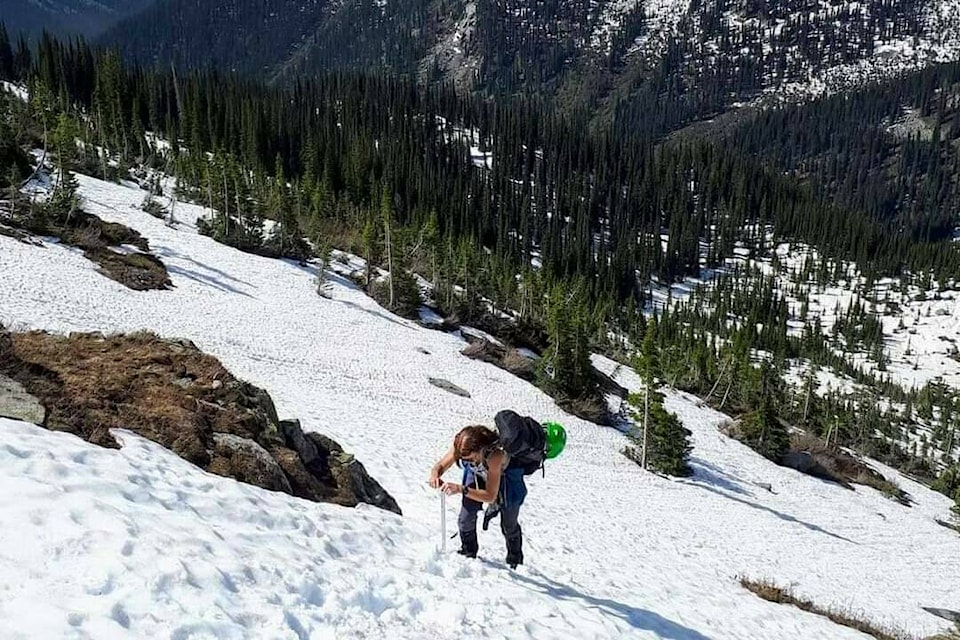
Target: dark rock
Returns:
[[171, 393], [263, 400], [247, 461], [323, 468], [296, 439], [355, 484], [327, 445], [804, 462], [592, 408], [303, 483], [609, 386], [449, 386]]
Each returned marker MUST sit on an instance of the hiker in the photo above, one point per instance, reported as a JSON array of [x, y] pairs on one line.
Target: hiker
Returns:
[[487, 478]]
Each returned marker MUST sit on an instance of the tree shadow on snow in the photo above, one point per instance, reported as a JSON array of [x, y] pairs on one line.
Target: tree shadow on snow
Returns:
[[760, 507], [342, 280], [210, 281], [218, 278], [710, 474], [636, 618], [373, 313]]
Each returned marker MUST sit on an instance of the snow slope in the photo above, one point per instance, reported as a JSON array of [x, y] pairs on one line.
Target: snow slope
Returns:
[[136, 543]]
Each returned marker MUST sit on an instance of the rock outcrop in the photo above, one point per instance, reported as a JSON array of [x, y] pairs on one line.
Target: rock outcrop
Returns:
[[170, 392]]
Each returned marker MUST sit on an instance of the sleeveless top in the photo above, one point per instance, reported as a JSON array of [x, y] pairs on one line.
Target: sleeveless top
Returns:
[[473, 471]]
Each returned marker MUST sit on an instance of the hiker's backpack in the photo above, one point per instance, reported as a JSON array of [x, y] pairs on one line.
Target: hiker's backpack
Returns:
[[523, 439]]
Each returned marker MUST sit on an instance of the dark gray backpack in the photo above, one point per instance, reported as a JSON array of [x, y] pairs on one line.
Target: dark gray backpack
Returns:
[[523, 439]]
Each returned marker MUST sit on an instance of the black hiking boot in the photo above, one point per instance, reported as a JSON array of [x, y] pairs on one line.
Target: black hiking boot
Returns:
[[514, 559], [468, 544]]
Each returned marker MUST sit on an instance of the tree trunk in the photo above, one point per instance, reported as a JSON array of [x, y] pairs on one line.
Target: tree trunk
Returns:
[[386, 226], [646, 420], [725, 393]]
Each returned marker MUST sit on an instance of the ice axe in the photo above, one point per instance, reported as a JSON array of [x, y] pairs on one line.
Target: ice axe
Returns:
[[443, 521]]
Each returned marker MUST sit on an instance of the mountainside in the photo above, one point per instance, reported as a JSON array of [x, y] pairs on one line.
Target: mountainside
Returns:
[[619, 56], [66, 17], [136, 543]]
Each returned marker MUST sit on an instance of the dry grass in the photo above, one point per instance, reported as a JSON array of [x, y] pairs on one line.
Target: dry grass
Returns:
[[139, 271], [519, 365], [90, 384], [844, 468], [773, 593]]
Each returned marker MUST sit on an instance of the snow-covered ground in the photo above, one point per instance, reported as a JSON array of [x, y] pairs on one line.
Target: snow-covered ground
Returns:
[[609, 21], [135, 543], [921, 340], [17, 90]]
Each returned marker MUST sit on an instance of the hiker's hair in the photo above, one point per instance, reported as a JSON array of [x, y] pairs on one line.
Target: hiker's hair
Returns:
[[474, 438]]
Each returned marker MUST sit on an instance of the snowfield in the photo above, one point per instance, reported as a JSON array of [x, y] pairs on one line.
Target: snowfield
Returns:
[[137, 543]]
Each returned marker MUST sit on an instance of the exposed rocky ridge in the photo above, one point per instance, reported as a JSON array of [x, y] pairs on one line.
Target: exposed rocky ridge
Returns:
[[170, 392]]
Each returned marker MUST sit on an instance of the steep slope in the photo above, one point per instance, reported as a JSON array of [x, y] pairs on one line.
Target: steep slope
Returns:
[[700, 57], [66, 17], [612, 551]]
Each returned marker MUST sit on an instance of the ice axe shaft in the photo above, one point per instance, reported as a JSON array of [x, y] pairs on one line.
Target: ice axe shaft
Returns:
[[443, 522]]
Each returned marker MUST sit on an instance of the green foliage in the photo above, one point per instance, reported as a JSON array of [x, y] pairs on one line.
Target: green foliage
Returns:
[[565, 368], [406, 292], [948, 483], [14, 166], [761, 429], [667, 441]]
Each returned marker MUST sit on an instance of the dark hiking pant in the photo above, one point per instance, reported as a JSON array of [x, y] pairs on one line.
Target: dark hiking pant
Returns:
[[509, 526]]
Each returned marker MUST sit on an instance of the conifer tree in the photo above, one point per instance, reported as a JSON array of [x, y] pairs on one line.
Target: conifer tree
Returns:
[[658, 439], [371, 249], [386, 214], [762, 429], [64, 201]]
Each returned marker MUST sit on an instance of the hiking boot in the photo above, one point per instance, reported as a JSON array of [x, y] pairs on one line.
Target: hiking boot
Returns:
[[468, 544], [513, 560]]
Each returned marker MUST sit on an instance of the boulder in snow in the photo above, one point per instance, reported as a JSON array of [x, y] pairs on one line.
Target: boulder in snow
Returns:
[[247, 461], [170, 392], [16, 403]]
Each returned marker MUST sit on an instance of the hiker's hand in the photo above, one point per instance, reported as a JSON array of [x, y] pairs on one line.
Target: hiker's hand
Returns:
[[451, 488], [435, 481]]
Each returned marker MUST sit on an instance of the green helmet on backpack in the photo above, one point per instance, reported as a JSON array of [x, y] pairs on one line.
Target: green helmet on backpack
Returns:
[[556, 439]]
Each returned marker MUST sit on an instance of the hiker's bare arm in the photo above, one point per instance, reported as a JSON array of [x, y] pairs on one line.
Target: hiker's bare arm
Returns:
[[442, 465], [494, 472]]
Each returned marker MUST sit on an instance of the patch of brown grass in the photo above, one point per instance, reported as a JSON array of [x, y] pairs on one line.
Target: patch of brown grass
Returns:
[[519, 364], [773, 593], [88, 231], [847, 468], [139, 271], [91, 384]]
